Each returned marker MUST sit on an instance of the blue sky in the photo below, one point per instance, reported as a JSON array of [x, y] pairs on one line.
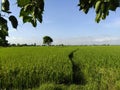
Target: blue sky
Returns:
[[63, 21]]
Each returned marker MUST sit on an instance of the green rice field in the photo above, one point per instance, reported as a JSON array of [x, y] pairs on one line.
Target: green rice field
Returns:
[[60, 68]]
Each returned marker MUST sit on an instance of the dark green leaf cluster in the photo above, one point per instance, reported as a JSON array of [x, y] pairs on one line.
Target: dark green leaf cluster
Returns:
[[3, 31], [5, 8], [31, 10], [14, 21], [102, 7]]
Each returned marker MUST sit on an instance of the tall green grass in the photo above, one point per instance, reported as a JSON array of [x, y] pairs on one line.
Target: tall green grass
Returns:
[[60, 68], [100, 66], [28, 67]]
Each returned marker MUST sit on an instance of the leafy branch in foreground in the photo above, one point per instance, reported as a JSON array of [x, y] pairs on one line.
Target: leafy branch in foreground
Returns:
[[5, 8], [31, 10], [102, 7]]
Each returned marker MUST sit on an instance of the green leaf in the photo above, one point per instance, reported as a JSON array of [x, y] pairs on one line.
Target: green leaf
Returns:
[[14, 21], [3, 31], [34, 22], [38, 14], [40, 4], [23, 13], [5, 5], [22, 3], [27, 10], [2, 21], [106, 0], [113, 5], [27, 19], [5, 27], [39, 18]]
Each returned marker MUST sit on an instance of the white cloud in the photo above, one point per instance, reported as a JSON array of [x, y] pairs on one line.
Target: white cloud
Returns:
[[88, 40], [69, 41], [23, 40], [106, 39]]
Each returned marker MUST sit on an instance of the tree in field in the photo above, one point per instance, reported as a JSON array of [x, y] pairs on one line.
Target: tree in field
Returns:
[[47, 40]]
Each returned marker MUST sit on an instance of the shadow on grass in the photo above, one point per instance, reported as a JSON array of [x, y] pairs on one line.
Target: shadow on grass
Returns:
[[78, 76]]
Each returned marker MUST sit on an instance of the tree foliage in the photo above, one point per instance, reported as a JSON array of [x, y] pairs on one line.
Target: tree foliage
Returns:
[[102, 7], [5, 8], [31, 11], [47, 40]]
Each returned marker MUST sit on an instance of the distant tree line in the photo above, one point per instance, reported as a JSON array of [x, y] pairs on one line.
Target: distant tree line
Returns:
[[21, 45]]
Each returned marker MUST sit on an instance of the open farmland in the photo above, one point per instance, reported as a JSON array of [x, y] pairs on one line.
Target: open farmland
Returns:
[[60, 68]]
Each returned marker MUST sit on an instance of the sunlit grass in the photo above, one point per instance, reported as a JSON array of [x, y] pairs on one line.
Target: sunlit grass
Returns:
[[51, 68]]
